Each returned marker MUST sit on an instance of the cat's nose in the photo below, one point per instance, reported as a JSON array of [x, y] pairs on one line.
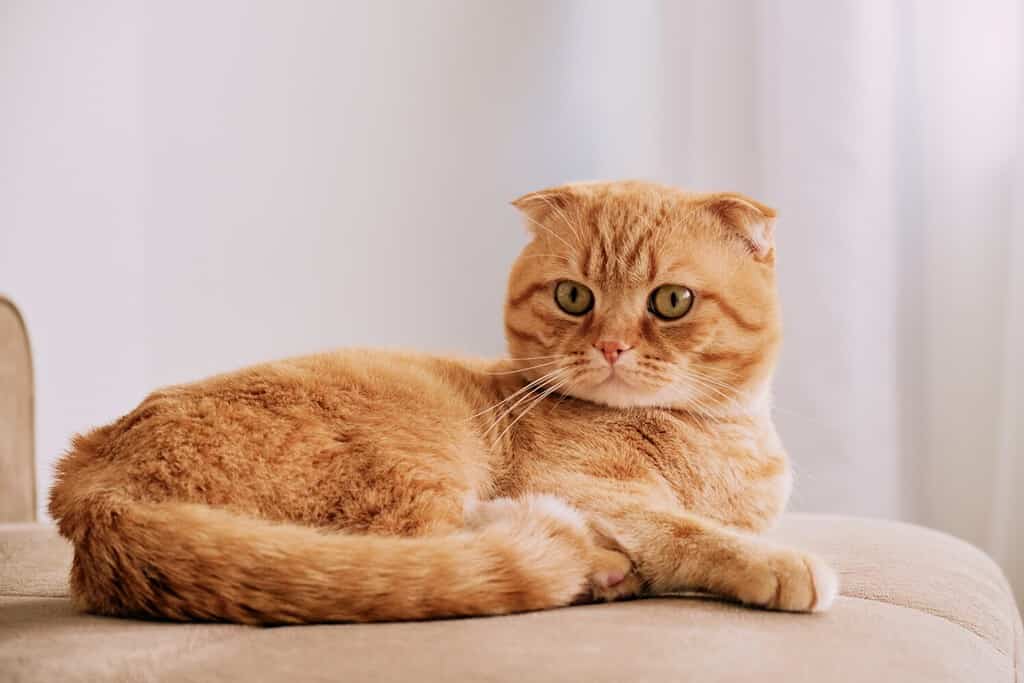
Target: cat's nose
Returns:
[[612, 350]]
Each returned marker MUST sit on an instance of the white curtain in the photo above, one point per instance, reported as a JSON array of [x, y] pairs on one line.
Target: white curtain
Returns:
[[327, 138], [889, 135]]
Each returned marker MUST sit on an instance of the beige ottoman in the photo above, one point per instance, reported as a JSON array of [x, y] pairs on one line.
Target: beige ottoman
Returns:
[[916, 605]]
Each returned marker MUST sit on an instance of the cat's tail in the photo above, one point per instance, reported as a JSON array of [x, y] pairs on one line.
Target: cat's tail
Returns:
[[195, 562]]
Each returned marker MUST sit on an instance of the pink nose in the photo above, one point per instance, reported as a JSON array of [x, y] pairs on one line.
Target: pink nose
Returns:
[[612, 350]]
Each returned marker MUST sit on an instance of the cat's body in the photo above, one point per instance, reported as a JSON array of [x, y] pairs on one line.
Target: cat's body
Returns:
[[371, 485]]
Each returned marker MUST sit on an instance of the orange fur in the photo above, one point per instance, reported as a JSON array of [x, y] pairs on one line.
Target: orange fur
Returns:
[[369, 485]]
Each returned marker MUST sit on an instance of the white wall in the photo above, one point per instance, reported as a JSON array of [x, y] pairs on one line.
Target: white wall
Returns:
[[72, 240], [190, 187]]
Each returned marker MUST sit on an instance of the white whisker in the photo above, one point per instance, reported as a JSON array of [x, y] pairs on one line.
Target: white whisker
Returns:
[[556, 375], [516, 393], [562, 382], [518, 370]]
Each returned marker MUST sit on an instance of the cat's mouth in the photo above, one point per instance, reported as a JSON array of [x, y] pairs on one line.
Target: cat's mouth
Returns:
[[615, 378], [612, 377], [612, 387]]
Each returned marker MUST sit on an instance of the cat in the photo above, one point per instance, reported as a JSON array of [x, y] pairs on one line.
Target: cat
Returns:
[[625, 447]]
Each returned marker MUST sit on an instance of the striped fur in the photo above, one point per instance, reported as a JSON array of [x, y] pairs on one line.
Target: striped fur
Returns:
[[365, 485]]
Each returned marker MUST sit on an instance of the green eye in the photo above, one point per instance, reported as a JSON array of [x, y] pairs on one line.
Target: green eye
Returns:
[[573, 298], [670, 302]]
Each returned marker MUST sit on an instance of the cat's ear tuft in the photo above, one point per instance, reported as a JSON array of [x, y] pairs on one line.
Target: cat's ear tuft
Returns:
[[538, 206], [747, 219]]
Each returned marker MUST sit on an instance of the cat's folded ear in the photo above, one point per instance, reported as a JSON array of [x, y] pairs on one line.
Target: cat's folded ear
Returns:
[[747, 219], [540, 205]]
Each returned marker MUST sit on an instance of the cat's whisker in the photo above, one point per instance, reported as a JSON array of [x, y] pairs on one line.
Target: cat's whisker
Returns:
[[647, 372], [705, 419], [698, 370], [704, 384], [648, 378], [698, 415], [518, 370], [556, 375], [516, 393], [711, 392], [559, 402], [723, 371], [562, 382], [532, 384], [696, 408], [714, 381], [731, 395], [709, 387], [775, 406], [723, 390]]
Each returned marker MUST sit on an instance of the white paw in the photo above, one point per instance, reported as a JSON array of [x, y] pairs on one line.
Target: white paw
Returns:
[[788, 580]]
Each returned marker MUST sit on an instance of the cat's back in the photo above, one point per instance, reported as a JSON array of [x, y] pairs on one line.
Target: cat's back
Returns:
[[331, 384], [261, 438]]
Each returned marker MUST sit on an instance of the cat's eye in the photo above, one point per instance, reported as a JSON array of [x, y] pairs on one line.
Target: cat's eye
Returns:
[[573, 298], [670, 302]]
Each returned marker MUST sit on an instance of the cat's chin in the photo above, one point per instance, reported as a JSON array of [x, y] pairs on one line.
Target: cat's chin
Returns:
[[616, 392]]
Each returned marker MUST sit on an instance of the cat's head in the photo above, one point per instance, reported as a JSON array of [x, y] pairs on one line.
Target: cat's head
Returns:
[[637, 294]]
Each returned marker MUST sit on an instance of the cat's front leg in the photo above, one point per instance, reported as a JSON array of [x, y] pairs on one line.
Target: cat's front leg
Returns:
[[676, 551]]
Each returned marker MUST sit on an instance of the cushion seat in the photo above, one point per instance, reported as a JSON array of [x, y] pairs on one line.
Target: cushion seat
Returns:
[[916, 605]]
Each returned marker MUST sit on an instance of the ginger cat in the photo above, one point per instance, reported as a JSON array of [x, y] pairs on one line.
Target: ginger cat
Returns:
[[624, 448]]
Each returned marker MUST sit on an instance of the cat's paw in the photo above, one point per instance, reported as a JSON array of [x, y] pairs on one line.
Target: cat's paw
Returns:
[[612, 577], [785, 579], [609, 572]]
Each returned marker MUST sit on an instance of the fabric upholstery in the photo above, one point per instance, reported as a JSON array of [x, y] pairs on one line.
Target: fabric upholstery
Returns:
[[17, 440], [916, 605]]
